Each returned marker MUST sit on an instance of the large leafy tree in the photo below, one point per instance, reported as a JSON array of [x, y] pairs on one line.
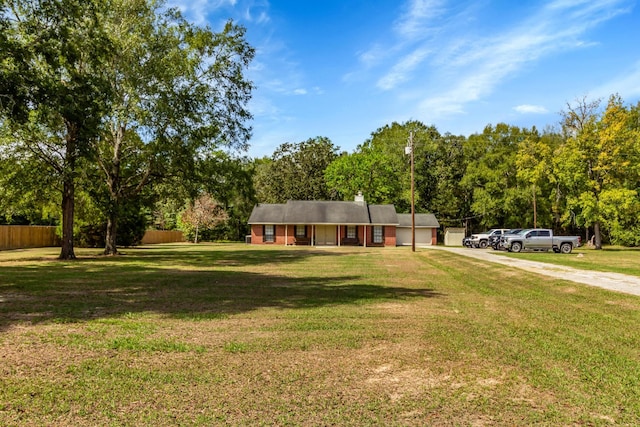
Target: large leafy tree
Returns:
[[598, 166], [296, 172], [440, 169], [364, 170], [491, 174], [534, 164], [53, 88], [179, 92], [379, 167]]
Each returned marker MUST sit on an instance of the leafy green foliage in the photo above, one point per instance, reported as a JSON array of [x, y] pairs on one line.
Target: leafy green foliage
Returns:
[[439, 172], [229, 180], [91, 223], [53, 87], [179, 92], [598, 168], [125, 89], [380, 167], [296, 172], [534, 163], [492, 176]]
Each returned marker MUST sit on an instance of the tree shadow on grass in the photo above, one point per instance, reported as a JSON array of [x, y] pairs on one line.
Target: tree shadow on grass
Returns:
[[187, 255], [194, 256], [79, 291]]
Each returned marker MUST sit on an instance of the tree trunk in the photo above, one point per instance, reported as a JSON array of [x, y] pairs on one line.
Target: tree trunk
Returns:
[[110, 241], [597, 235], [68, 194], [535, 208], [113, 183], [196, 238]]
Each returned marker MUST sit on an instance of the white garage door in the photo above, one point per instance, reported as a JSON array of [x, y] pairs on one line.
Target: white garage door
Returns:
[[403, 236]]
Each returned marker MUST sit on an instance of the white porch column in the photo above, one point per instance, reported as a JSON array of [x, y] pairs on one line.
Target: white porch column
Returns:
[[339, 234], [286, 235], [365, 236]]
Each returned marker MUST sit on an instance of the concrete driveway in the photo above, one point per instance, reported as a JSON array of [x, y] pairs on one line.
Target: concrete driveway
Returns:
[[612, 281]]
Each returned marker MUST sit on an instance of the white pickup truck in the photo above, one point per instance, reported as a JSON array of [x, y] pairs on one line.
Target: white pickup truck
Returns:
[[541, 239], [481, 240]]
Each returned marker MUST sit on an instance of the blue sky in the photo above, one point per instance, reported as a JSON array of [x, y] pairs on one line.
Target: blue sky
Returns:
[[344, 68]]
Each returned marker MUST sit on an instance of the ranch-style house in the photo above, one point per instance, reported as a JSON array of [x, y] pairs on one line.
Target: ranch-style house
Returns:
[[333, 223]]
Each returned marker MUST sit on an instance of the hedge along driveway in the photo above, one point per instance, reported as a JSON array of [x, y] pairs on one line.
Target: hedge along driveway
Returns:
[[612, 281]]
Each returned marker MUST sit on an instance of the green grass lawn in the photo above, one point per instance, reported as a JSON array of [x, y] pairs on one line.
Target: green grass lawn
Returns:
[[240, 335], [610, 259]]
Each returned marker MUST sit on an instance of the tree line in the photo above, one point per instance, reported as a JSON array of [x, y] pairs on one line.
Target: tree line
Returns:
[[117, 115], [583, 176]]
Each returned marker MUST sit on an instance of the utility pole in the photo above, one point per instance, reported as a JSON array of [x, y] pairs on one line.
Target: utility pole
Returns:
[[413, 196]]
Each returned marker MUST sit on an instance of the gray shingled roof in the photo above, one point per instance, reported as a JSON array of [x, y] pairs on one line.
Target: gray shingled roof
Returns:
[[383, 215], [422, 220], [323, 212], [264, 213]]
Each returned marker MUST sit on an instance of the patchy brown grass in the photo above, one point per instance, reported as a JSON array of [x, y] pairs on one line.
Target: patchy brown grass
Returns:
[[239, 335]]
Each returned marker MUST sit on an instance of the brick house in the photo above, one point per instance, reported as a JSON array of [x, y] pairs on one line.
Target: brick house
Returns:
[[333, 223]]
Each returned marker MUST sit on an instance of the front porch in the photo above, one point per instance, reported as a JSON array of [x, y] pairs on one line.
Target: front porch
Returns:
[[328, 235]]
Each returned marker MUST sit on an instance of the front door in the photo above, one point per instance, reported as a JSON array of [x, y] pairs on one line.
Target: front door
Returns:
[[325, 235]]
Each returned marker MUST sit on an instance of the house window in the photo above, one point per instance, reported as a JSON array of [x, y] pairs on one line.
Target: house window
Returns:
[[269, 233], [351, 231], [377, 234], [301, 231]]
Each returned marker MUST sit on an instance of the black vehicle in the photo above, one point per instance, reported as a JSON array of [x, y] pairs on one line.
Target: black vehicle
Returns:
[[496, 242]]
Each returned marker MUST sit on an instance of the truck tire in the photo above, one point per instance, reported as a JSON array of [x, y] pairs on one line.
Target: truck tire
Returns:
[[516, 247], [566, 248], [483, 244]]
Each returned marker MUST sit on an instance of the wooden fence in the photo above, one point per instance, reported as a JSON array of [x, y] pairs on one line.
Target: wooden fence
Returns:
[[162, 236], [37, 236], [27, 236]]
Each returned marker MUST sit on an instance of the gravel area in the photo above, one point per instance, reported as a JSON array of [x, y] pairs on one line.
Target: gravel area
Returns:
[[612, 281]]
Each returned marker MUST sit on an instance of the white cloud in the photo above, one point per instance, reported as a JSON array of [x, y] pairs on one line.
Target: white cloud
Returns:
[[416, 21], [400, 72], [530, 109], [197, 11], [627, 85], [411, 27], [471, 67], [374, 56], [256, 11]]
